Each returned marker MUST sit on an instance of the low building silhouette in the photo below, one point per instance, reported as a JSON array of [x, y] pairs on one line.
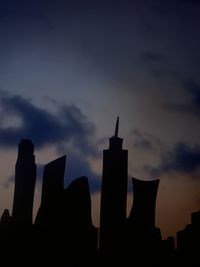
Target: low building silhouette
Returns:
[[144, 238], [76, 218], [144, 206], [5, 218], [168, 244], [188, 241]]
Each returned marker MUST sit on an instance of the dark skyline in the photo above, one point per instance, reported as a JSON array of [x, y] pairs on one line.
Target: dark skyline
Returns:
[[63, 228], [71, 67]]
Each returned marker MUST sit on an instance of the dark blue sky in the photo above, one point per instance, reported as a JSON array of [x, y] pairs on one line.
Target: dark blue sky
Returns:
[[69, 68]]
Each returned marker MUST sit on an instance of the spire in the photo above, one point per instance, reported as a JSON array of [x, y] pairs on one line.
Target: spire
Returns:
[[115, 142], [117, 127]]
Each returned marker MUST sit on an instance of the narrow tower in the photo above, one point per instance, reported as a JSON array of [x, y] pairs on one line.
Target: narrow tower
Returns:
[[25, 178], [113, 194]]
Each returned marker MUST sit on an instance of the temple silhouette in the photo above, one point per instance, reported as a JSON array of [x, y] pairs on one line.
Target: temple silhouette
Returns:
[[63, 232]]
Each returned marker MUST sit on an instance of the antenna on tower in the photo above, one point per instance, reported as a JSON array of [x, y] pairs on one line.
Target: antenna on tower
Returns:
[[117, 127]]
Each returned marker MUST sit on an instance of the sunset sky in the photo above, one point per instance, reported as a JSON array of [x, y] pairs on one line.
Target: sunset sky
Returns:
[[69, 68]]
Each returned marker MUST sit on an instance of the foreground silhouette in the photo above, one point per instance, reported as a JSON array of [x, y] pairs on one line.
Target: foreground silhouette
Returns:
[[63, 232]]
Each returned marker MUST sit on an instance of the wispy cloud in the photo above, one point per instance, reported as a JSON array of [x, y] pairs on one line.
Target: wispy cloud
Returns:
[[192, 105], [182, 159], [68, 126], [69, 130], [151, 57], [145, 141]]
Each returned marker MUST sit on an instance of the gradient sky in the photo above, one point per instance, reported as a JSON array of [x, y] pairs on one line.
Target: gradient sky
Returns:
[[69, 68]]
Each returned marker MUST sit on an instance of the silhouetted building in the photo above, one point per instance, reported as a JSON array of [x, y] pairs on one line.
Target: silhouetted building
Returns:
[[144, 206], [77, 204], [195, 219], [63, 230], [5, 218], [168, 244], [65, 218], [76, 218], [188, 240], [143, 236], [25, 178], [52, 190], [113, 194]]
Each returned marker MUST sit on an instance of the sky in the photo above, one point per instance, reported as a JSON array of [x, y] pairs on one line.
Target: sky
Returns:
[[69, 68]]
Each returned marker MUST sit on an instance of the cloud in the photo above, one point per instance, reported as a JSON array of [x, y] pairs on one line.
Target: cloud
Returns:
[[158, 65], [194, 91], [183, 159], [145, 140], [77, 166], [192, 104], [68, 126], [151, 57], [11, 178], [69, 130]]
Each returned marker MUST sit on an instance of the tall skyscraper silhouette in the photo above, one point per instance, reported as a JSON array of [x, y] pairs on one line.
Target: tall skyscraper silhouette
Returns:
[[113, 194], [25, 178], [52, 190]]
